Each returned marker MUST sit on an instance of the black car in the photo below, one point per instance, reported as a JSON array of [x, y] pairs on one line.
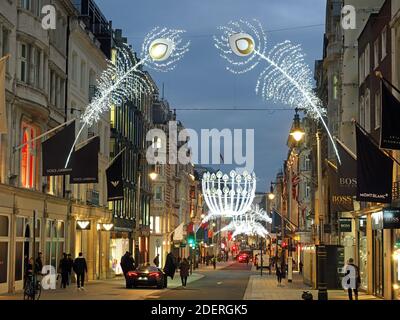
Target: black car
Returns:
[[147, 276]]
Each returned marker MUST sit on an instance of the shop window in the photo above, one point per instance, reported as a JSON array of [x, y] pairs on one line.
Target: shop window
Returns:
[[3, 226], [3, 262], [28, 157]]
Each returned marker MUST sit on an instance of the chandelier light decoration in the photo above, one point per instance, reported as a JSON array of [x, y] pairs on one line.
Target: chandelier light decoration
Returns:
[[228, 195], [286, 78], [124, 79]]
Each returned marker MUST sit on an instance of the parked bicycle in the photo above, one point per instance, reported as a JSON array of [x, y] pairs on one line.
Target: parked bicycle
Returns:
[[33, 288]]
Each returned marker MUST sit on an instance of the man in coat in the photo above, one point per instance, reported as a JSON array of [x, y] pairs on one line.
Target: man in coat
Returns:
[[170, 265], [80, 268]]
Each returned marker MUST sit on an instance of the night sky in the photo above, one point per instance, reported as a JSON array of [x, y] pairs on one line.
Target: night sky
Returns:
[[201, 80]]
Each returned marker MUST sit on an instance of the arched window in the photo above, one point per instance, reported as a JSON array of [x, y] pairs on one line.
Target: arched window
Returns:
[[28, 157]]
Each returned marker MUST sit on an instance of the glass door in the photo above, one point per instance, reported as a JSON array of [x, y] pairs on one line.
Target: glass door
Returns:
[[378, 262]]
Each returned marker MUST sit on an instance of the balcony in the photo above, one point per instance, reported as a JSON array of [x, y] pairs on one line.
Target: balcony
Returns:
[[92, 197]]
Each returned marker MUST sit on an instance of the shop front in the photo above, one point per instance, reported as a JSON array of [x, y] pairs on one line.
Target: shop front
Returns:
[[119, 245], [362, 246]]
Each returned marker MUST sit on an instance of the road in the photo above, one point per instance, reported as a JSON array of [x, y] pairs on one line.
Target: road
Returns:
[[229, 283]]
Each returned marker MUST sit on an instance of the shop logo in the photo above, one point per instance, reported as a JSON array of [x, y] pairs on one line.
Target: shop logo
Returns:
[[348, 17], [50, 18], [115, 183], [49, 279], [349, 281]]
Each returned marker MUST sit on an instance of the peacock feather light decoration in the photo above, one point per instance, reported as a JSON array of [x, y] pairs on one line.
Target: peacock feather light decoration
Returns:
[[124, 78], [286, 78]]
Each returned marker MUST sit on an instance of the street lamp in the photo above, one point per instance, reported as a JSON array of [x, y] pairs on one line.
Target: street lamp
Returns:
[[153, 173], [297, 132], [271, 194]]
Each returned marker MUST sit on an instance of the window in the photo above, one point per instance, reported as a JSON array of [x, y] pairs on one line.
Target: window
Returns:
[[3, 226], [367, 110], [158, 193], [36, 68], [156, 143], [307, 190], [83, 75], [361, 112], [361, 69], [28, 157], [307, 163], [157, 225], [378, 103], [25, 4], [384, 43], [376, 54], [367, 61], [335, 87], [23, 50], [74, 66]]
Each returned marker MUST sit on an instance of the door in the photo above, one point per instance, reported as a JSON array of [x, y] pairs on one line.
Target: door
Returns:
[[378, 262], [4, 253]]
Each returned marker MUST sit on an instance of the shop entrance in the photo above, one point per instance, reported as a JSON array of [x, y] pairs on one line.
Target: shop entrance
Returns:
[[377, 255]]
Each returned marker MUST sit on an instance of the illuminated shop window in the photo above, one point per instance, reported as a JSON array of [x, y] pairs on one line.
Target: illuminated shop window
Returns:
[[28, 157]]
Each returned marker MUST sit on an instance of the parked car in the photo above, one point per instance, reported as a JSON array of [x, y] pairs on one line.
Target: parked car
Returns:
[[147, 276]]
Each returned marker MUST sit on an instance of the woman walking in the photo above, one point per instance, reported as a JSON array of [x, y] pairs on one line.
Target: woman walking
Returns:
[[184, 271]]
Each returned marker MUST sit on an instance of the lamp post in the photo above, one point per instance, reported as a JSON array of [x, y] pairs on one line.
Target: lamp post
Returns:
[[297, 133]]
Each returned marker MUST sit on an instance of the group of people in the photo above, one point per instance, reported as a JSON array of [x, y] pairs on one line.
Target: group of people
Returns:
[[79, 266], [65, 268]]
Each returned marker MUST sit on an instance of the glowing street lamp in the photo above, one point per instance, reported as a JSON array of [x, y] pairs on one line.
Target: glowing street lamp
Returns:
[[297, 132], [271, 194]]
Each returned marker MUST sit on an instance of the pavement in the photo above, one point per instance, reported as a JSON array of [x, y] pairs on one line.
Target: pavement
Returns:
[[266, 288]]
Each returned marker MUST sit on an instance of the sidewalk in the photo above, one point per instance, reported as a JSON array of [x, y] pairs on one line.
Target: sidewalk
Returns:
[[266, 288], [105, 290]]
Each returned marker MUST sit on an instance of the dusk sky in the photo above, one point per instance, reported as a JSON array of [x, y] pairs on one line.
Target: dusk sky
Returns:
[[201, 79]]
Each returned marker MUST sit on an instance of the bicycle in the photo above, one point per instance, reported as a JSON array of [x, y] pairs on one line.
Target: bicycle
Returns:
[[33, 289]]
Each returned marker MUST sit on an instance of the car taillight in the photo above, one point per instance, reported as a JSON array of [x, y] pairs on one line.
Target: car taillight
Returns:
[[132, 274], [154, 274]]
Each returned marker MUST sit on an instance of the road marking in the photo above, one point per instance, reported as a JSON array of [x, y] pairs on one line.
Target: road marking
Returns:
[[219, 282], [153, 297]]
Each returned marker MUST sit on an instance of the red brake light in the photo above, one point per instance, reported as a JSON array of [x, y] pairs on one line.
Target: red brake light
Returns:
[[154, 274], [132, 274]]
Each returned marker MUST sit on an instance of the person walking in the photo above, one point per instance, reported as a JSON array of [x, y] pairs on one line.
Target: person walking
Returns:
[[170, 267], [39, 264], [278, 274], [157, 260], [127, 265], [80, 268], [214, 262], [357, 279], [184, 271], [63, 269], [301, 267], [70, 265]]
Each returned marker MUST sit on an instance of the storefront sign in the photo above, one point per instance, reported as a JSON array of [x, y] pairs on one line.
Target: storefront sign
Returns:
[[391, 218], [345, 225], [83, 225]]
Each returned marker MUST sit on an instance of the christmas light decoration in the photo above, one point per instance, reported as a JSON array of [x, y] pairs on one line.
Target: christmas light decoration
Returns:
[[286, 78], [228, 195], [124, 79]]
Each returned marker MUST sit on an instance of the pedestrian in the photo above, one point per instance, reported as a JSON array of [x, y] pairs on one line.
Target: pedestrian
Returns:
[[70, 265], [357, 281], [80, 268], [256, 261], [170, 265], [214, 262], [131, 262], [39, 263], [157, 260], [63, 269], [301, 267], [184, 271], [278, 274], [126, 266]]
